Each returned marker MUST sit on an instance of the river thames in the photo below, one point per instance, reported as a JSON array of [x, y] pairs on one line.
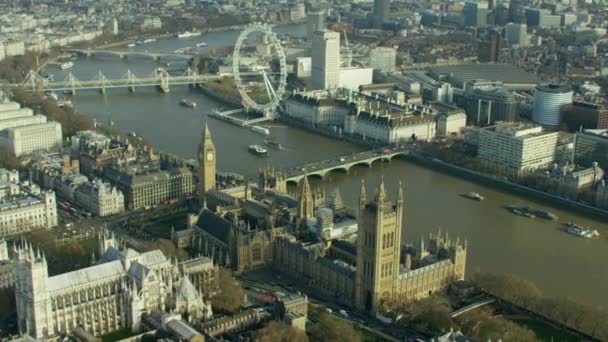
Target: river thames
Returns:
[[534, 249]]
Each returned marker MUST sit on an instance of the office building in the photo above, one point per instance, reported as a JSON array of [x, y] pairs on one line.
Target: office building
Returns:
[[352, 78], [585, 115], [451, 122], [315, 21], [26, 140], [381, 12], [109, 296], [490, 48], [475, 14], [383, 59], [518, 147], [22, 121], [487, 102], [325, 59], [152, 185], [8, 105], [23, 206], [443, 92], [372, 117], [99, 198], [549, 102], [591, 145], [516, 34], [517, 11], [15, 113]]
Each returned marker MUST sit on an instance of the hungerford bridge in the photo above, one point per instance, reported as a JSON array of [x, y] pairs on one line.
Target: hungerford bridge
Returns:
[[160, 78], [125, 53]]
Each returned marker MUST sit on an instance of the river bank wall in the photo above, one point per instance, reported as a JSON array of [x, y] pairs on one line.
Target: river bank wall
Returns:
[[496, 182]]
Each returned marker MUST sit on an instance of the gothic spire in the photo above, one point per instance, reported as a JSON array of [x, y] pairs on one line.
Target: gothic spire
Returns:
[[206, 134], [400, 194], [362, 199], [381, 195]]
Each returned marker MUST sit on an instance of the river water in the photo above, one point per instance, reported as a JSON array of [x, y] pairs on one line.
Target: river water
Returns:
[[534, 249]]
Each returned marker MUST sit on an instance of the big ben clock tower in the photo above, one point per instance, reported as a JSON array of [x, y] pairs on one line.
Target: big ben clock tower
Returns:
[[206, 159]]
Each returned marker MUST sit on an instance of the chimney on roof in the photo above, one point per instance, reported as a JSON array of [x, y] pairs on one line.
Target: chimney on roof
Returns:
[[76, 166], [65, 168]]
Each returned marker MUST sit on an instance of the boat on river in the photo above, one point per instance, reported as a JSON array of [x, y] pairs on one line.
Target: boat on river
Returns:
[[474, 196], [273, 143], [203, 44], [187, 103], [581, 231], [260, 130], [258, 150], [521, 211], [547, 215], [66, 65], [188, 34]]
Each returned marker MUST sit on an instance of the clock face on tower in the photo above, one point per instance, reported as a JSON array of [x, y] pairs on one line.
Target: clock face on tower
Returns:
[[210, 156]]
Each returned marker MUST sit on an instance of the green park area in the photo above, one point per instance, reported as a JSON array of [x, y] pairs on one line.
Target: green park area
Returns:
[[161, 226]]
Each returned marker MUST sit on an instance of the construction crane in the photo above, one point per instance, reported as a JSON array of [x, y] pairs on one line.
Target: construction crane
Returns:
[[108, 113], [349, 58]]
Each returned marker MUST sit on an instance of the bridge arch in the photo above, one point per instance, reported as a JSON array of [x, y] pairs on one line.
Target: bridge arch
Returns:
[[359, 163]]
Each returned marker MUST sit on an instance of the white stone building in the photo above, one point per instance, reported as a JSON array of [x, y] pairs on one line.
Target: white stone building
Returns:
[[316, 109], [14, 112], [518, 146], [383, 59], [28, 139], [9, 105], [100, 198], [451, 122], [24, 207], [22, 121], [106, 297], [389, 128], [367, 117]]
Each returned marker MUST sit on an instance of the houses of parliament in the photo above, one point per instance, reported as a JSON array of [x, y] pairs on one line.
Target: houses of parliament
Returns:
[[353, 255]]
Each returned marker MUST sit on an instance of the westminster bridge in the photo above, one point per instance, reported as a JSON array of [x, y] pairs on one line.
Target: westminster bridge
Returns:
[[344, 164]]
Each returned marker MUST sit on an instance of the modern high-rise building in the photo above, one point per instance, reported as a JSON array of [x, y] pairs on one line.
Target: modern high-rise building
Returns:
[[516, 34], [549, 101], [383, 59], [207, 163], [381, 12], [315, 21], [517, 11], [475, 14], [591, 145], [486, 104], [325, 59], [489, 49]]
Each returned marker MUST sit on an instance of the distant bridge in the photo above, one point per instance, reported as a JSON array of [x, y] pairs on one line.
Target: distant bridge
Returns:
[[125, 53], [344, 163], [159, 78], [472, 306]]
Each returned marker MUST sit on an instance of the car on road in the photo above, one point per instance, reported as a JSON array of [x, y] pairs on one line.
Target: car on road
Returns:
[[343, 313]]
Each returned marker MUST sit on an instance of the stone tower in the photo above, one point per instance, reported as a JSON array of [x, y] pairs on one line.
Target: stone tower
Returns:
[[305, 201], [378, 248], [206, 159], [270, 179], [31, 293], [305, 208]]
